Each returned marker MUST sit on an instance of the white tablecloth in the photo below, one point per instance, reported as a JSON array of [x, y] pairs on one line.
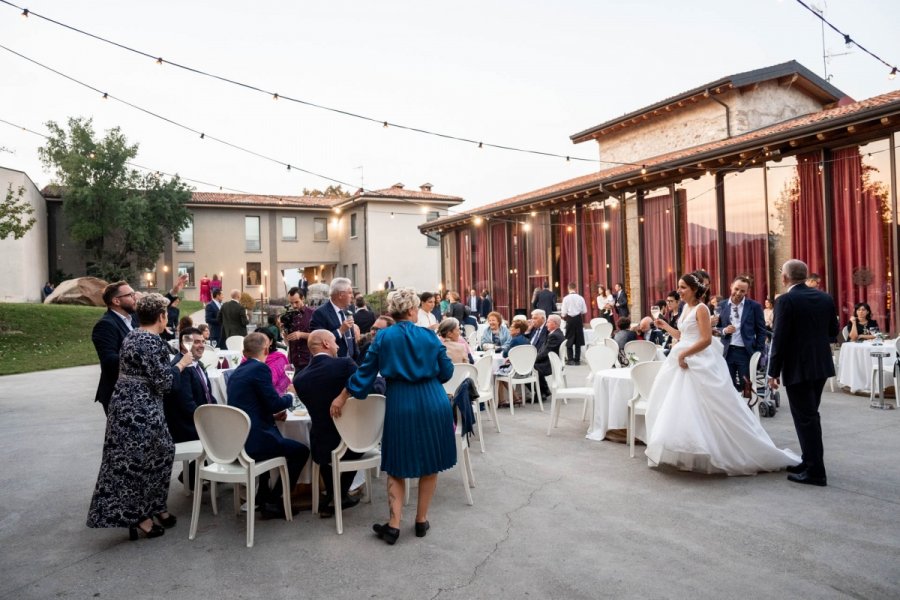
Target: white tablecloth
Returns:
[[856, 362], [217, 383], [496, 358], [613, 389], [297, 428], [232, 356]]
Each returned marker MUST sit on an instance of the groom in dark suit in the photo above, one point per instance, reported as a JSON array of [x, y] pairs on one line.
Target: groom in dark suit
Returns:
[[743, 330], [801, 359]]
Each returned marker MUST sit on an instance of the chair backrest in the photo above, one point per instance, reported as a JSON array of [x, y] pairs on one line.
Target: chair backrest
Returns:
[[473, 340], [460, 372], [222, 430], [643, 350], [522, 359], [643, 375], [602, 331], [362, 422], [235, 343], [485, 367], [601, 357], [754, 367], [469, 329], [209, 358], [556, 368], [597, 320], [612, 345]]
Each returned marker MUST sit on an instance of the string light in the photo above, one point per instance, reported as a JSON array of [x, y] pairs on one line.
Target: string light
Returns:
[[159, 60], [893, 73], [24, 13], [202, 135]]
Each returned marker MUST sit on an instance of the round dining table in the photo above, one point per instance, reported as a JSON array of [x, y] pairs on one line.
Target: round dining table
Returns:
[[856, 363]]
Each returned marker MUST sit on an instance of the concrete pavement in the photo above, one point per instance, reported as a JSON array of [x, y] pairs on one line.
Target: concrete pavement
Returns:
[[557, 517]]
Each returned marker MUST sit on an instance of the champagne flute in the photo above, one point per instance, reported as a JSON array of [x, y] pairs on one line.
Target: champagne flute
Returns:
[[654, 312], [213, 343]]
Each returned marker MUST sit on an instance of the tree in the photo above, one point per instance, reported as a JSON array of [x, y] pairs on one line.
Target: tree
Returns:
[[15, 214], [122, 218], [332, 191]]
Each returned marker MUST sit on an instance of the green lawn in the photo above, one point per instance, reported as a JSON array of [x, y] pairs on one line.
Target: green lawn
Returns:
[[37, 337]]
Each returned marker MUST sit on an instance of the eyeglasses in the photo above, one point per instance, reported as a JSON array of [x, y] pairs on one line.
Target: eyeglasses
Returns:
[[132, 294]]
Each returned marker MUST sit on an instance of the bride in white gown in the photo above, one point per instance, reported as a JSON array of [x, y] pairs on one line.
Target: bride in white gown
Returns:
[[696, 420]]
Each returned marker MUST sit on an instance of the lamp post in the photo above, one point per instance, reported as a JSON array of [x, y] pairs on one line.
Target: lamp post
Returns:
[[265, 283], [242, 280]]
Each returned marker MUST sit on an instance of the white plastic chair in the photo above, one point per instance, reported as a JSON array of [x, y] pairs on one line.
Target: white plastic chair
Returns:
[[522, 360], [643, 350], [597, 320], [186, 453], [235, 343], [559, 392], [469, 329], [614, 346], [601, 357], [485, 384], [602, 331], [643, 375], [360, 425], [223, 431], [754, 379], [462, 371], [462, 459]]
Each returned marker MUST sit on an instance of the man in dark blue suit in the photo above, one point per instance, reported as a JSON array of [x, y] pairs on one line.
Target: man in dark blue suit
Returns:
[[487, 305], [537, 332], [801, 359], [545, 300], [250, 388], [334, 317], [108, 335], [212, 317], [743, 330], [317, 386]]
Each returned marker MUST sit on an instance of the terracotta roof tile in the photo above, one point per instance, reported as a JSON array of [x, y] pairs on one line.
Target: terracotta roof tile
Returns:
[[264, 200]]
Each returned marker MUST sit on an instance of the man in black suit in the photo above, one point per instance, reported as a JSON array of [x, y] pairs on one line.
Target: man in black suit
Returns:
[[211, 314], [801, 359], [743, 330], [487, 305], [537, 331], [620, 301], [233, 317], [456, 309], [363, 317], [334, 317], [317, 386], [473, 304], [552, 343], [108, 335], [193, 389], [250, 388], [545, 300], [389, 284]]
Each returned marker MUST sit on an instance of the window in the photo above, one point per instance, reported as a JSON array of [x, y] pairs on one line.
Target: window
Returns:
[[320, 230], [353, 225], [186, 237], [434, 240], [353, 274], [347, 271], [187, 267], [251, 234], [289, 229]]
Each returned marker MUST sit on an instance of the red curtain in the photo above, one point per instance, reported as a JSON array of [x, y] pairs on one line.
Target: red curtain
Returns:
[[538, 244], [568, 256], [519, 298], [700, 232], [616, 258], [658, 273], [499, 286], [593, 256], [860, 237], [481, 255], [464, 254], [808, 215]]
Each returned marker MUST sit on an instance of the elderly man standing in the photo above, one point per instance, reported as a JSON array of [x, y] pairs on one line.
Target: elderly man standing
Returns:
[[334, 316], [108, 334], [233, 317], [250, 388], [296, 323], [573, 307]]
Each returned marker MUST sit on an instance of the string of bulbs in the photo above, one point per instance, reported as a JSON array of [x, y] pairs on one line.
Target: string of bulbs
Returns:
[[848, 40], [277, 96]]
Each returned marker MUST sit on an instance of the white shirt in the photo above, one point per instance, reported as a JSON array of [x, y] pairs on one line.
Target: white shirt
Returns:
[[127, 319], [573, 305], [737, 312], [426, 319]]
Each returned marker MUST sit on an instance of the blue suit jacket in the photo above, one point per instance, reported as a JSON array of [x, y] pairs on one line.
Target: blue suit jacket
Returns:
[[753, 325], [182, 400], [326, 318], [250, 389], [487, 305], [317, 386], [108, 335], [212, 319]]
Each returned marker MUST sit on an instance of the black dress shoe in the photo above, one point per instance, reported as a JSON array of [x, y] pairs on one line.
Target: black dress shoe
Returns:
[[422, 528], [275, 511], [807, 479], [326, 511], [167, 522], [796, 469], [387, 533]]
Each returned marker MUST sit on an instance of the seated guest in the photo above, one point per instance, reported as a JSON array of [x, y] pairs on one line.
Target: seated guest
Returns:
[[250, 389], [496, 333], [517, 329], [273, 329], [624, 333], [673, 309], [552, 343], [861, 326], [646, 330], [457, 349], [203, 328], [537, 330], [278, 362], [382, 322], [192, 390], [318, 385], [183, 323], [769, 313], [426, 311]]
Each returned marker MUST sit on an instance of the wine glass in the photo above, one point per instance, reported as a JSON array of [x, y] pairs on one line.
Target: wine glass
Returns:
[[289, 371], [214, 343], [654, 312]]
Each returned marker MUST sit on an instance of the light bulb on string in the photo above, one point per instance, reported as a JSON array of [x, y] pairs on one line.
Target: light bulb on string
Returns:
[[644, 170], [893, 73], [274, 96], [159, 60], [25, 13]]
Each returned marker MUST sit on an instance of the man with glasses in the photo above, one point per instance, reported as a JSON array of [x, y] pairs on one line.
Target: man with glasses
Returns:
[[108, 335], [335, 317], [743, 329], [382, 322]]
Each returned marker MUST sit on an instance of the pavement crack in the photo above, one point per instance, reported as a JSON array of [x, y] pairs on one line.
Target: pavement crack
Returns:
[[499, 542]]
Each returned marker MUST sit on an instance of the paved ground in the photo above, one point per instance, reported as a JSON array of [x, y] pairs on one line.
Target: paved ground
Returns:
[[557, 517]]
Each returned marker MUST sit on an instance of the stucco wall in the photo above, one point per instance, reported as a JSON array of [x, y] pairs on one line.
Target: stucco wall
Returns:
[[398, 249], [24, 260]]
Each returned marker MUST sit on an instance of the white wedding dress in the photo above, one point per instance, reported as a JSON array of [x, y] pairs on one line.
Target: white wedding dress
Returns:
[[697, 421]]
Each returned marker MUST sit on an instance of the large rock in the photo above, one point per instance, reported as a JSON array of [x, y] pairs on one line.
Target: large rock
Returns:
[[87, 291]]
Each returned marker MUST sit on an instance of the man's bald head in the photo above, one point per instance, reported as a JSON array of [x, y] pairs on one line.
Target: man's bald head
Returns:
[[322, 340]]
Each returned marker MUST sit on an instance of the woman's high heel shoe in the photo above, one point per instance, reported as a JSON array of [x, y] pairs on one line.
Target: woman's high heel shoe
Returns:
[[387, 533], [167, 522], [135, 531]]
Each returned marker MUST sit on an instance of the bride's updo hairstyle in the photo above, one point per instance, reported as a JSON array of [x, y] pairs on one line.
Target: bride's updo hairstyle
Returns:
[[701, 292]]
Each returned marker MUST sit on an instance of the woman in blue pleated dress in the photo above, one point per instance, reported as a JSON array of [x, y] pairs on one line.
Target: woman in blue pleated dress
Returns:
[[418, 439]]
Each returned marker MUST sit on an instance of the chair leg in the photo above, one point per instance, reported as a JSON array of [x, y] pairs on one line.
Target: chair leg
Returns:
[[212, 498], [236, 499], [368, 484], [286, 492], [553, 409], [251, 514], [314, 475], [540, 400], [464, 470], [493, 407], [512, 397], [336, 481], [631, 421], [195, 509], [478, 420], [471, 473]]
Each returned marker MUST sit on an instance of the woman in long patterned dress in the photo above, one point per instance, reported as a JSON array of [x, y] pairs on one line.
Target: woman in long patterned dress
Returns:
[[418, 421], [133, 484]]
